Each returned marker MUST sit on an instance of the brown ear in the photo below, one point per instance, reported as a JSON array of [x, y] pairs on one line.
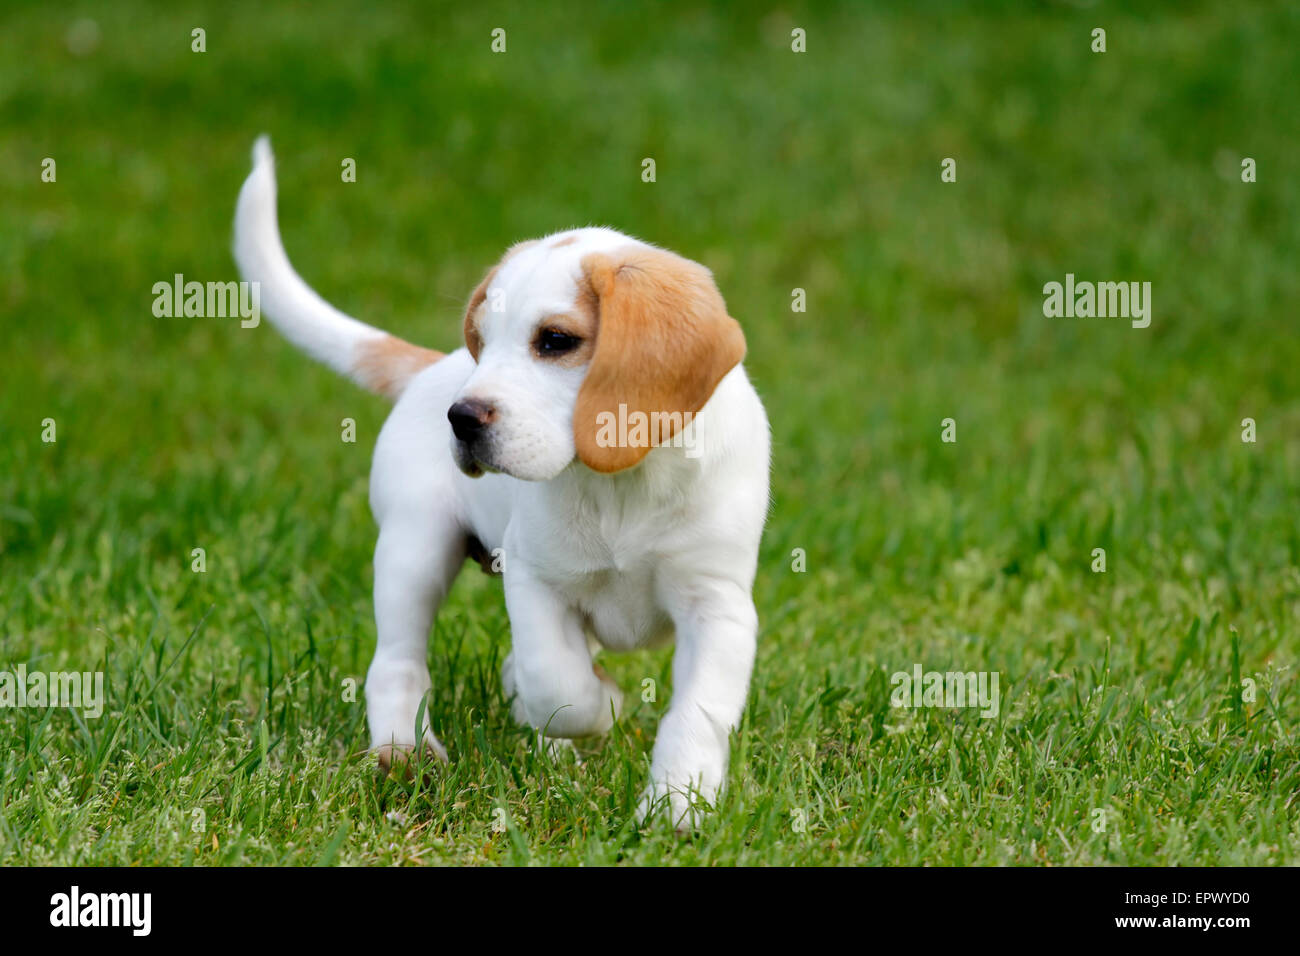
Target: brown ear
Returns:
[[473, 340], [663, 343]]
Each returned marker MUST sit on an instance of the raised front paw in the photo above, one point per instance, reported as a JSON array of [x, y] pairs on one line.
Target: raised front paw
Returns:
[[560, 706]]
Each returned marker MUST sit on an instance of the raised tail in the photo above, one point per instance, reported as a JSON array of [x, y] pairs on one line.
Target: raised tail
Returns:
[[373, 359]]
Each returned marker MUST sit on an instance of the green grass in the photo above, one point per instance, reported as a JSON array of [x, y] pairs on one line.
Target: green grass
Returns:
[[226, 690]]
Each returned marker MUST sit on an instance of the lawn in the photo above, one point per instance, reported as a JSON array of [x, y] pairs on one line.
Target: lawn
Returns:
[[1148, 713]]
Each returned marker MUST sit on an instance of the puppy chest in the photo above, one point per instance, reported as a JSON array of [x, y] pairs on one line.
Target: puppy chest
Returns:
[[620, 608]]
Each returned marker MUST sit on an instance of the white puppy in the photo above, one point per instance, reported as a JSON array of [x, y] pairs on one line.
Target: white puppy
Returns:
[[599, 438]]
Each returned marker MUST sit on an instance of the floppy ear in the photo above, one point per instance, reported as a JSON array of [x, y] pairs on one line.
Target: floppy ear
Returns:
[[663, 342]]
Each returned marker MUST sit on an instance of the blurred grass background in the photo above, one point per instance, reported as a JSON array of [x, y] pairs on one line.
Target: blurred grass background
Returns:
[[777, 170]]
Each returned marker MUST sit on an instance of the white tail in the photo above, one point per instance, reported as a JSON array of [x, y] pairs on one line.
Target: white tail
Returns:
[[370, 357]]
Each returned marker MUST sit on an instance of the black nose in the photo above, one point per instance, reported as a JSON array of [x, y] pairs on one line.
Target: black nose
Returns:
[[469, 418]]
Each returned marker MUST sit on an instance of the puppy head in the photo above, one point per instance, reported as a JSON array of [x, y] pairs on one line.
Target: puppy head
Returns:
[[589, 345]]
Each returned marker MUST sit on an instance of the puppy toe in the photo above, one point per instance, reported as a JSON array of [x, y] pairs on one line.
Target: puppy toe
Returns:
[[403, 760]]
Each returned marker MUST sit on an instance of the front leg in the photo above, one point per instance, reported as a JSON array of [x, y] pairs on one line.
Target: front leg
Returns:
[[717, 629], [549, 670], [416, 559]]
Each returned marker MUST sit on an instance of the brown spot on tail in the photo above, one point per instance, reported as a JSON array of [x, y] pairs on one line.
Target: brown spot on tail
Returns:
[[385, 365]]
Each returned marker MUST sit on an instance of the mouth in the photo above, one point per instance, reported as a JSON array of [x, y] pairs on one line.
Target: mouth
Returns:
[[470, 461], [465, 460]]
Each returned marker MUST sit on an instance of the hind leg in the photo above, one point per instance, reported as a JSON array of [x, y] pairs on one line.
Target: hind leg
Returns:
[[416, 561]]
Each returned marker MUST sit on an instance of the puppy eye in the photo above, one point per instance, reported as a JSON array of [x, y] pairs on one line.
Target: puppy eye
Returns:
[[555, 342]]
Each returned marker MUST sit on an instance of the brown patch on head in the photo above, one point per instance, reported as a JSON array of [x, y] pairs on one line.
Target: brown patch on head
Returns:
[[663, 343], [473, 340], [387, 363], [567, 241]]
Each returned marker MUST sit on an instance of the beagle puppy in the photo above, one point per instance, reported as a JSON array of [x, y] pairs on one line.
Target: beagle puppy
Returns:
[[598, 442]]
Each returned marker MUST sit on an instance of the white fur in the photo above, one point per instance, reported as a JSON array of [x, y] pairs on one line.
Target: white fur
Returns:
[[668, 547]]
